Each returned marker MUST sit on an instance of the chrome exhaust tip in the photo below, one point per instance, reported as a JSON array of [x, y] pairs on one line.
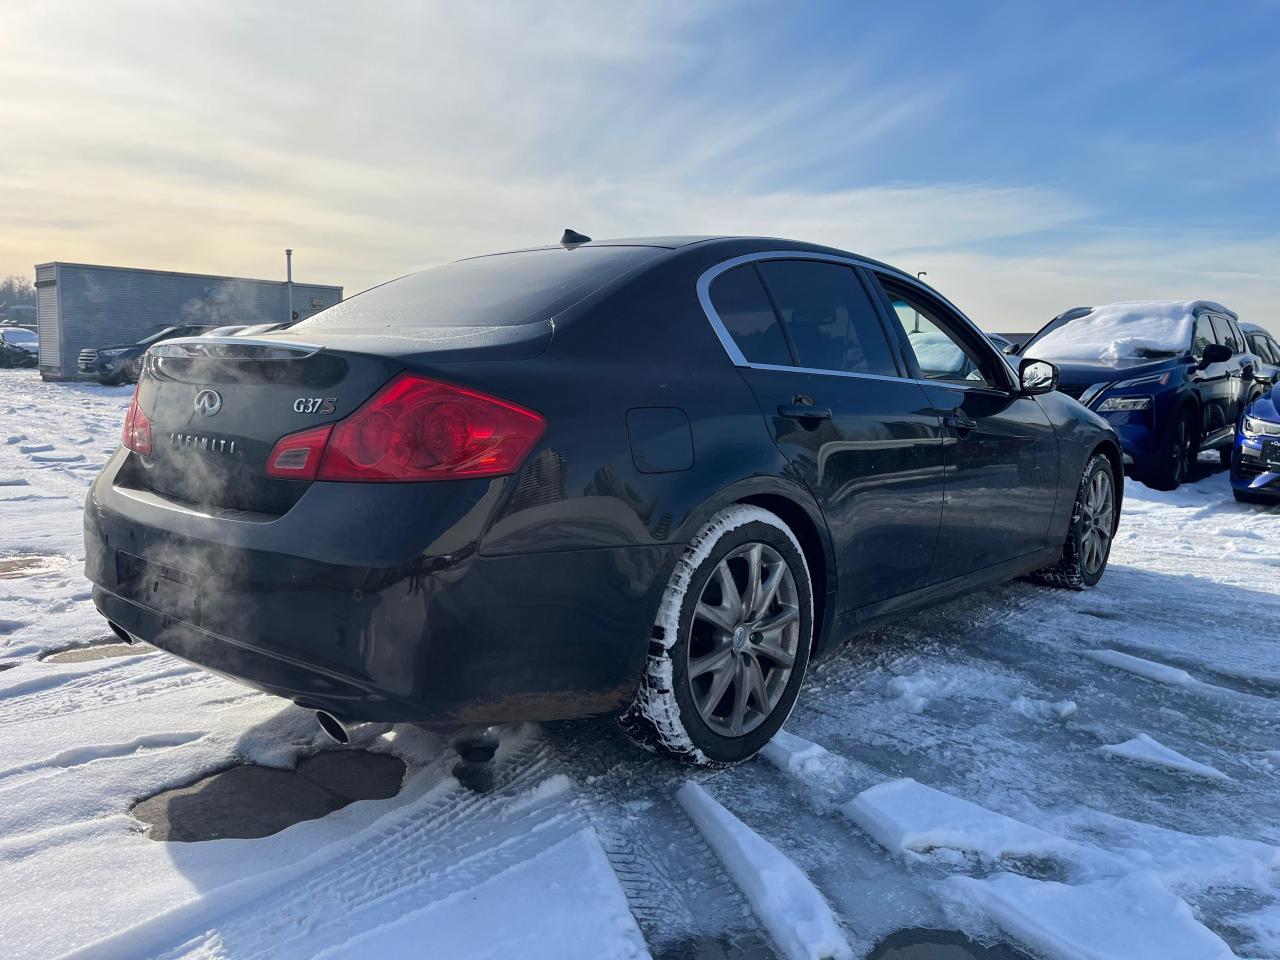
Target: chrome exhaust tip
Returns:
[[120, 632], [333, 728]]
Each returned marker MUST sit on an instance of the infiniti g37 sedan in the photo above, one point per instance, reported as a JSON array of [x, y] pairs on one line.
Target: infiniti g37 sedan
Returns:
[[650, 478]]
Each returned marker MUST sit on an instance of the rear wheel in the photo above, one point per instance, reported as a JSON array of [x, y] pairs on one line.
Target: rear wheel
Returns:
[[1093, 525], [1224, 456], [1177, 454], [731, 643]]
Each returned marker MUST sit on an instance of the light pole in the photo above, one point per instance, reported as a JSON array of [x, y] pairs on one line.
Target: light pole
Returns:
[[288, 269]]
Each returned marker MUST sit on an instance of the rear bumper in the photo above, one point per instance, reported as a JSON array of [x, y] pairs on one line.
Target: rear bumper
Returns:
[[423, 636]]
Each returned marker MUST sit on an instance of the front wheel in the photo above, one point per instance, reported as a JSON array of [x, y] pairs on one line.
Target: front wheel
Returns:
[[1093, 525], [731, 642], [1177, 454]]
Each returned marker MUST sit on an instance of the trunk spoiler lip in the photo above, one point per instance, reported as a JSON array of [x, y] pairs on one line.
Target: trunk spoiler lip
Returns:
[[232, 348]]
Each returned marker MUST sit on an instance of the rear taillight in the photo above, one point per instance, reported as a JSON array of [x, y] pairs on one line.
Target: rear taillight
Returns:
[[137, 428], [414, 429], [297, 456]]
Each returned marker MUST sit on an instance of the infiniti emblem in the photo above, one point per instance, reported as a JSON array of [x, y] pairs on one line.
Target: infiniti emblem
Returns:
[[208, 402]]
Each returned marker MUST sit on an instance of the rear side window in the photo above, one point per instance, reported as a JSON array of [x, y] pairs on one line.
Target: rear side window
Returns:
[[1265, 347], [1238, 334], [503, 290], [743, 307], [1225, 334], [828, 317]]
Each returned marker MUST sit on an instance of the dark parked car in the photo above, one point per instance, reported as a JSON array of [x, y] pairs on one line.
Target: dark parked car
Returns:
[[647, 477], [119, 364], [1171, 377], [18, 347], [1267, 349], [1255, 464]]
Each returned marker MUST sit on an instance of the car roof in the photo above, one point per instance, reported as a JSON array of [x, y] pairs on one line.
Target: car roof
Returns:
[[677, 242], [1249, 327]]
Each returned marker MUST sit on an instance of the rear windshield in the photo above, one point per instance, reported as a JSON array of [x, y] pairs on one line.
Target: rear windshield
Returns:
[[503, 290]]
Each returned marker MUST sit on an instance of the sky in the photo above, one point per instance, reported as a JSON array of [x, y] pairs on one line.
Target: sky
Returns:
[[1028, 157]]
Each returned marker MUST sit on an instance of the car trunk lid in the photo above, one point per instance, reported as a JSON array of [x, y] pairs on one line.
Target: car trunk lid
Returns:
[[218, 406]]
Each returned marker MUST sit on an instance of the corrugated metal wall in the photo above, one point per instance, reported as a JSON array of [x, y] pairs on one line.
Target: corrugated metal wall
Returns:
[[104, 306], [47, 318]]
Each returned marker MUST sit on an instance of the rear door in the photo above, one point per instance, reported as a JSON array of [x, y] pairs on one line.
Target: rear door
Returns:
[[1001, 450], [811, 345], [1222, 384]]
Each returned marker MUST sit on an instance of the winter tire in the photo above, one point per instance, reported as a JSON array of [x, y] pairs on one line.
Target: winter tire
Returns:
[[731, 643], [1093, 526], [1178, 453]]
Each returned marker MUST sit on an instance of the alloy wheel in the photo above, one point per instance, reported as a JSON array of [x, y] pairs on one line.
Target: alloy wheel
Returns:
[[743, 639], [1097, 521]]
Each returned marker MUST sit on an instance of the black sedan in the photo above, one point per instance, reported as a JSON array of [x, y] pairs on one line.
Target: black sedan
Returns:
[[120, 363], [649, 478]]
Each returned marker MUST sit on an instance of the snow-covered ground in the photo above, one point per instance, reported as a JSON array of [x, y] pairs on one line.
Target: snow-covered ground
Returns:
[[1089, 775]]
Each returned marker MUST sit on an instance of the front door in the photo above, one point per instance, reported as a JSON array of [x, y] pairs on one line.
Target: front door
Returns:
[[1001, 449]]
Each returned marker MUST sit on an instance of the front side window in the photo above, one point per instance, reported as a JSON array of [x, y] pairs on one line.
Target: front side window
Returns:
[[743, 307], [828, 317], [1202, 337], [940, 353]]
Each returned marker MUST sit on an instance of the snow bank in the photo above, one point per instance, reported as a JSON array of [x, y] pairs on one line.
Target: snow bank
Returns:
[[909, 818], [1131, 918], [808, 763], [788, 905], [563, 904], [1122, 331], [1144, 750]]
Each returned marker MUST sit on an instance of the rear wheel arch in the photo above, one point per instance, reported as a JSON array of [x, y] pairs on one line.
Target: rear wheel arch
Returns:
[[794, 506], [1190, 402], [817, 554]]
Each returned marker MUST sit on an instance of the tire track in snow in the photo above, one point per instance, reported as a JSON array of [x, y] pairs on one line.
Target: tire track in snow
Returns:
[[798, 919], [78, 756], [443, 843], [675, 885], [107, 685]]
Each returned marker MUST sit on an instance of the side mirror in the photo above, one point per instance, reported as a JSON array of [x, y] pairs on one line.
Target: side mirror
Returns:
[[1011, 349], [1037, 376], [1215, 353]]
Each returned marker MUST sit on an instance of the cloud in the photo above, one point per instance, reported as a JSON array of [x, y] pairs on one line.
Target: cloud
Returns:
[[379, 139]]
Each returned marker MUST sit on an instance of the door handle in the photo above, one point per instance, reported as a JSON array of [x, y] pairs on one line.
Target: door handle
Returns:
[[959, 423], [803, 411]]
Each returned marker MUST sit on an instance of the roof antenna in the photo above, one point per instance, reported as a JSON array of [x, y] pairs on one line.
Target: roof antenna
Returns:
[[572, 237]]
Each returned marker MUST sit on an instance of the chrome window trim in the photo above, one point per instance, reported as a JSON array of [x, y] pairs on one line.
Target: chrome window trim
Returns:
[[739, 360]]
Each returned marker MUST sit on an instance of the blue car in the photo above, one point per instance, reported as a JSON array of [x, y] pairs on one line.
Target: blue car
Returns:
[[1171, 377], [1255, 461]]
